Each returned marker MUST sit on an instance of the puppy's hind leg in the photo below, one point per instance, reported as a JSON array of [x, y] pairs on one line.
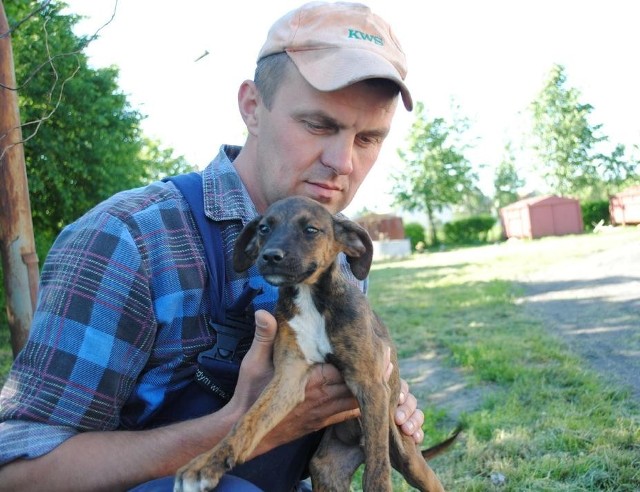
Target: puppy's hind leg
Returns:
[[337, 458], [407, 459]]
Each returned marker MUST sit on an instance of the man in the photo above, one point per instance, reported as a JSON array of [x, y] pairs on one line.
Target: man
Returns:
[[96, 398]]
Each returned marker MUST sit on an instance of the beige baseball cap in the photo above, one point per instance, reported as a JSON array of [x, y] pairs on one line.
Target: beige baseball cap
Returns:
[[338, 44]]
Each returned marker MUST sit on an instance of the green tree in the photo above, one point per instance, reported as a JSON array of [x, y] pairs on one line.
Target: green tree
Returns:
[[617, 171], [473, 202], [567, 143], [436, 173], [83, 141], [507, 181], [159, 161]]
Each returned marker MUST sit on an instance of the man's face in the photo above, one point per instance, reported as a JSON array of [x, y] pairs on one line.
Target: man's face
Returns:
[[319, 144]]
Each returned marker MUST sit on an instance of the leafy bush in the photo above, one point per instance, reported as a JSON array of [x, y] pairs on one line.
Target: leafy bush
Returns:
[[472, 230], [593, 212], [415, 233]]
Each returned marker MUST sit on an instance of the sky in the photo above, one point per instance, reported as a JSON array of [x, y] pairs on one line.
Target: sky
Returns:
[[490, 57]]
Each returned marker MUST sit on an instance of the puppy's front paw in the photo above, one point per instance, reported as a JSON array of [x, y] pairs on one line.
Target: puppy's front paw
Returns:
[[201, 474]]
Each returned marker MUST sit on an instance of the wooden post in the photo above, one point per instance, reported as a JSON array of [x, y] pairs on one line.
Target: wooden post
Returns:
[[17, 244]]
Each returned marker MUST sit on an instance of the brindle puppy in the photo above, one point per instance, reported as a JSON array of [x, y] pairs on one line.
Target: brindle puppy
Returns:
[[321, 318]]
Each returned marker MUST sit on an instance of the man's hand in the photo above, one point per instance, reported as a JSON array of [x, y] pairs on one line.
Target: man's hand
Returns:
[[408, 416], [328, 400]]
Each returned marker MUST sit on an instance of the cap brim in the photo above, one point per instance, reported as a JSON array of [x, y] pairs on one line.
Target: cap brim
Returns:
[[330, 69]]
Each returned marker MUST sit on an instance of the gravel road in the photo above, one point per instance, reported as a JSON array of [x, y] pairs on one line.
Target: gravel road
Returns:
[[593, 303]]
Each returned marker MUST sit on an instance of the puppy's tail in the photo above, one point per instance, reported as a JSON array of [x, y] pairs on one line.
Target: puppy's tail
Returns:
[[441, 447]]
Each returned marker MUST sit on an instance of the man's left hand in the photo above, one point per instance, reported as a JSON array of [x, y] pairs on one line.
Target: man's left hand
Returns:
[[408, 416]]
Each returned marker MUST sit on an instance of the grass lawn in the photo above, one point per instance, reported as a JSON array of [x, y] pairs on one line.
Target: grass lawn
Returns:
[[549, 423]]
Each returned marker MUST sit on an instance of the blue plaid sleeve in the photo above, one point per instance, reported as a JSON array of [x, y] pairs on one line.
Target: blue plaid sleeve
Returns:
[[83, 357], [121, 317]]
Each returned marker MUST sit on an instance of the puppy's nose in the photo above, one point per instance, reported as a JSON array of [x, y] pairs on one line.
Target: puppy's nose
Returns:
[[273, 255]]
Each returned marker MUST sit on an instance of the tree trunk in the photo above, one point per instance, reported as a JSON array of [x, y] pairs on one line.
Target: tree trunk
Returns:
[[432, 228], [17, 244]]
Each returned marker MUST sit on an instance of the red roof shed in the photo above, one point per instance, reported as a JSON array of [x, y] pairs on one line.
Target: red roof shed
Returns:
[[542, 216], [382, 226], [624, 207]]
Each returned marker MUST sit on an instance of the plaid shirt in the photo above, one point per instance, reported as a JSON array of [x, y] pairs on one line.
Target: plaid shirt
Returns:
[[122, 314]]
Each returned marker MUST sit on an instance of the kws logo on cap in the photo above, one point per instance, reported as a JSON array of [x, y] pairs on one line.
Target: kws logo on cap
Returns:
[[355, 34]]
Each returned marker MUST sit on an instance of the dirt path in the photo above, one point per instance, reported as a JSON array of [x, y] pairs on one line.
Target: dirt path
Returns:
[[435, 383], [593, 303]]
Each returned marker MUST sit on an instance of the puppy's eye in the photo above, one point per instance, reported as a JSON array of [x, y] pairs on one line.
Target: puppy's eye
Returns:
[[311, 230], [264, 229]]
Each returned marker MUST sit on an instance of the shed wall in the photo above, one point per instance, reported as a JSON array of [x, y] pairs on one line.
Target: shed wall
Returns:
[[551, 216], [516, 221], [624, 208], [379, 228]]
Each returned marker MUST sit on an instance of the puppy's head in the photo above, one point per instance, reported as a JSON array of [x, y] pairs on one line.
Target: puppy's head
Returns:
[[297, 239]]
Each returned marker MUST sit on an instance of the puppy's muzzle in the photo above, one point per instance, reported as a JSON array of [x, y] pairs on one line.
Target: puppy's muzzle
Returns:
[[273, 256], [279, 268]]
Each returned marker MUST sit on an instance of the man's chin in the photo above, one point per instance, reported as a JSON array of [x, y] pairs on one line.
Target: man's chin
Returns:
[[332, 200], [333, 204]]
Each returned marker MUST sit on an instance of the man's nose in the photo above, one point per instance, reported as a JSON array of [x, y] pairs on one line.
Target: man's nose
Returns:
[[338, 156]]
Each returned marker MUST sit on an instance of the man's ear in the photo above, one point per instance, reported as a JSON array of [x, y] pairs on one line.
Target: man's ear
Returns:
[[249, 104], [246, 248], [356, 244]]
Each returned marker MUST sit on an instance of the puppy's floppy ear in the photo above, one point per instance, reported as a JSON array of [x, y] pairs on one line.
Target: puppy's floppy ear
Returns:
[[356, 244], [246, 248]]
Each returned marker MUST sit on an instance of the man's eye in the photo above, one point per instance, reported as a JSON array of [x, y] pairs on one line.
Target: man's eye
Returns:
[[366, 140], [313, 126]]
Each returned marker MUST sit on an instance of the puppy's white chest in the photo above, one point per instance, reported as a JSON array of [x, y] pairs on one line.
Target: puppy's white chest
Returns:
[[310, 328]]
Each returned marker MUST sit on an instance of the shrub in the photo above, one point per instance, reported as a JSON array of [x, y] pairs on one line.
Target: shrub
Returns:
[[593, 212], [415, 233], [472, 230]]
